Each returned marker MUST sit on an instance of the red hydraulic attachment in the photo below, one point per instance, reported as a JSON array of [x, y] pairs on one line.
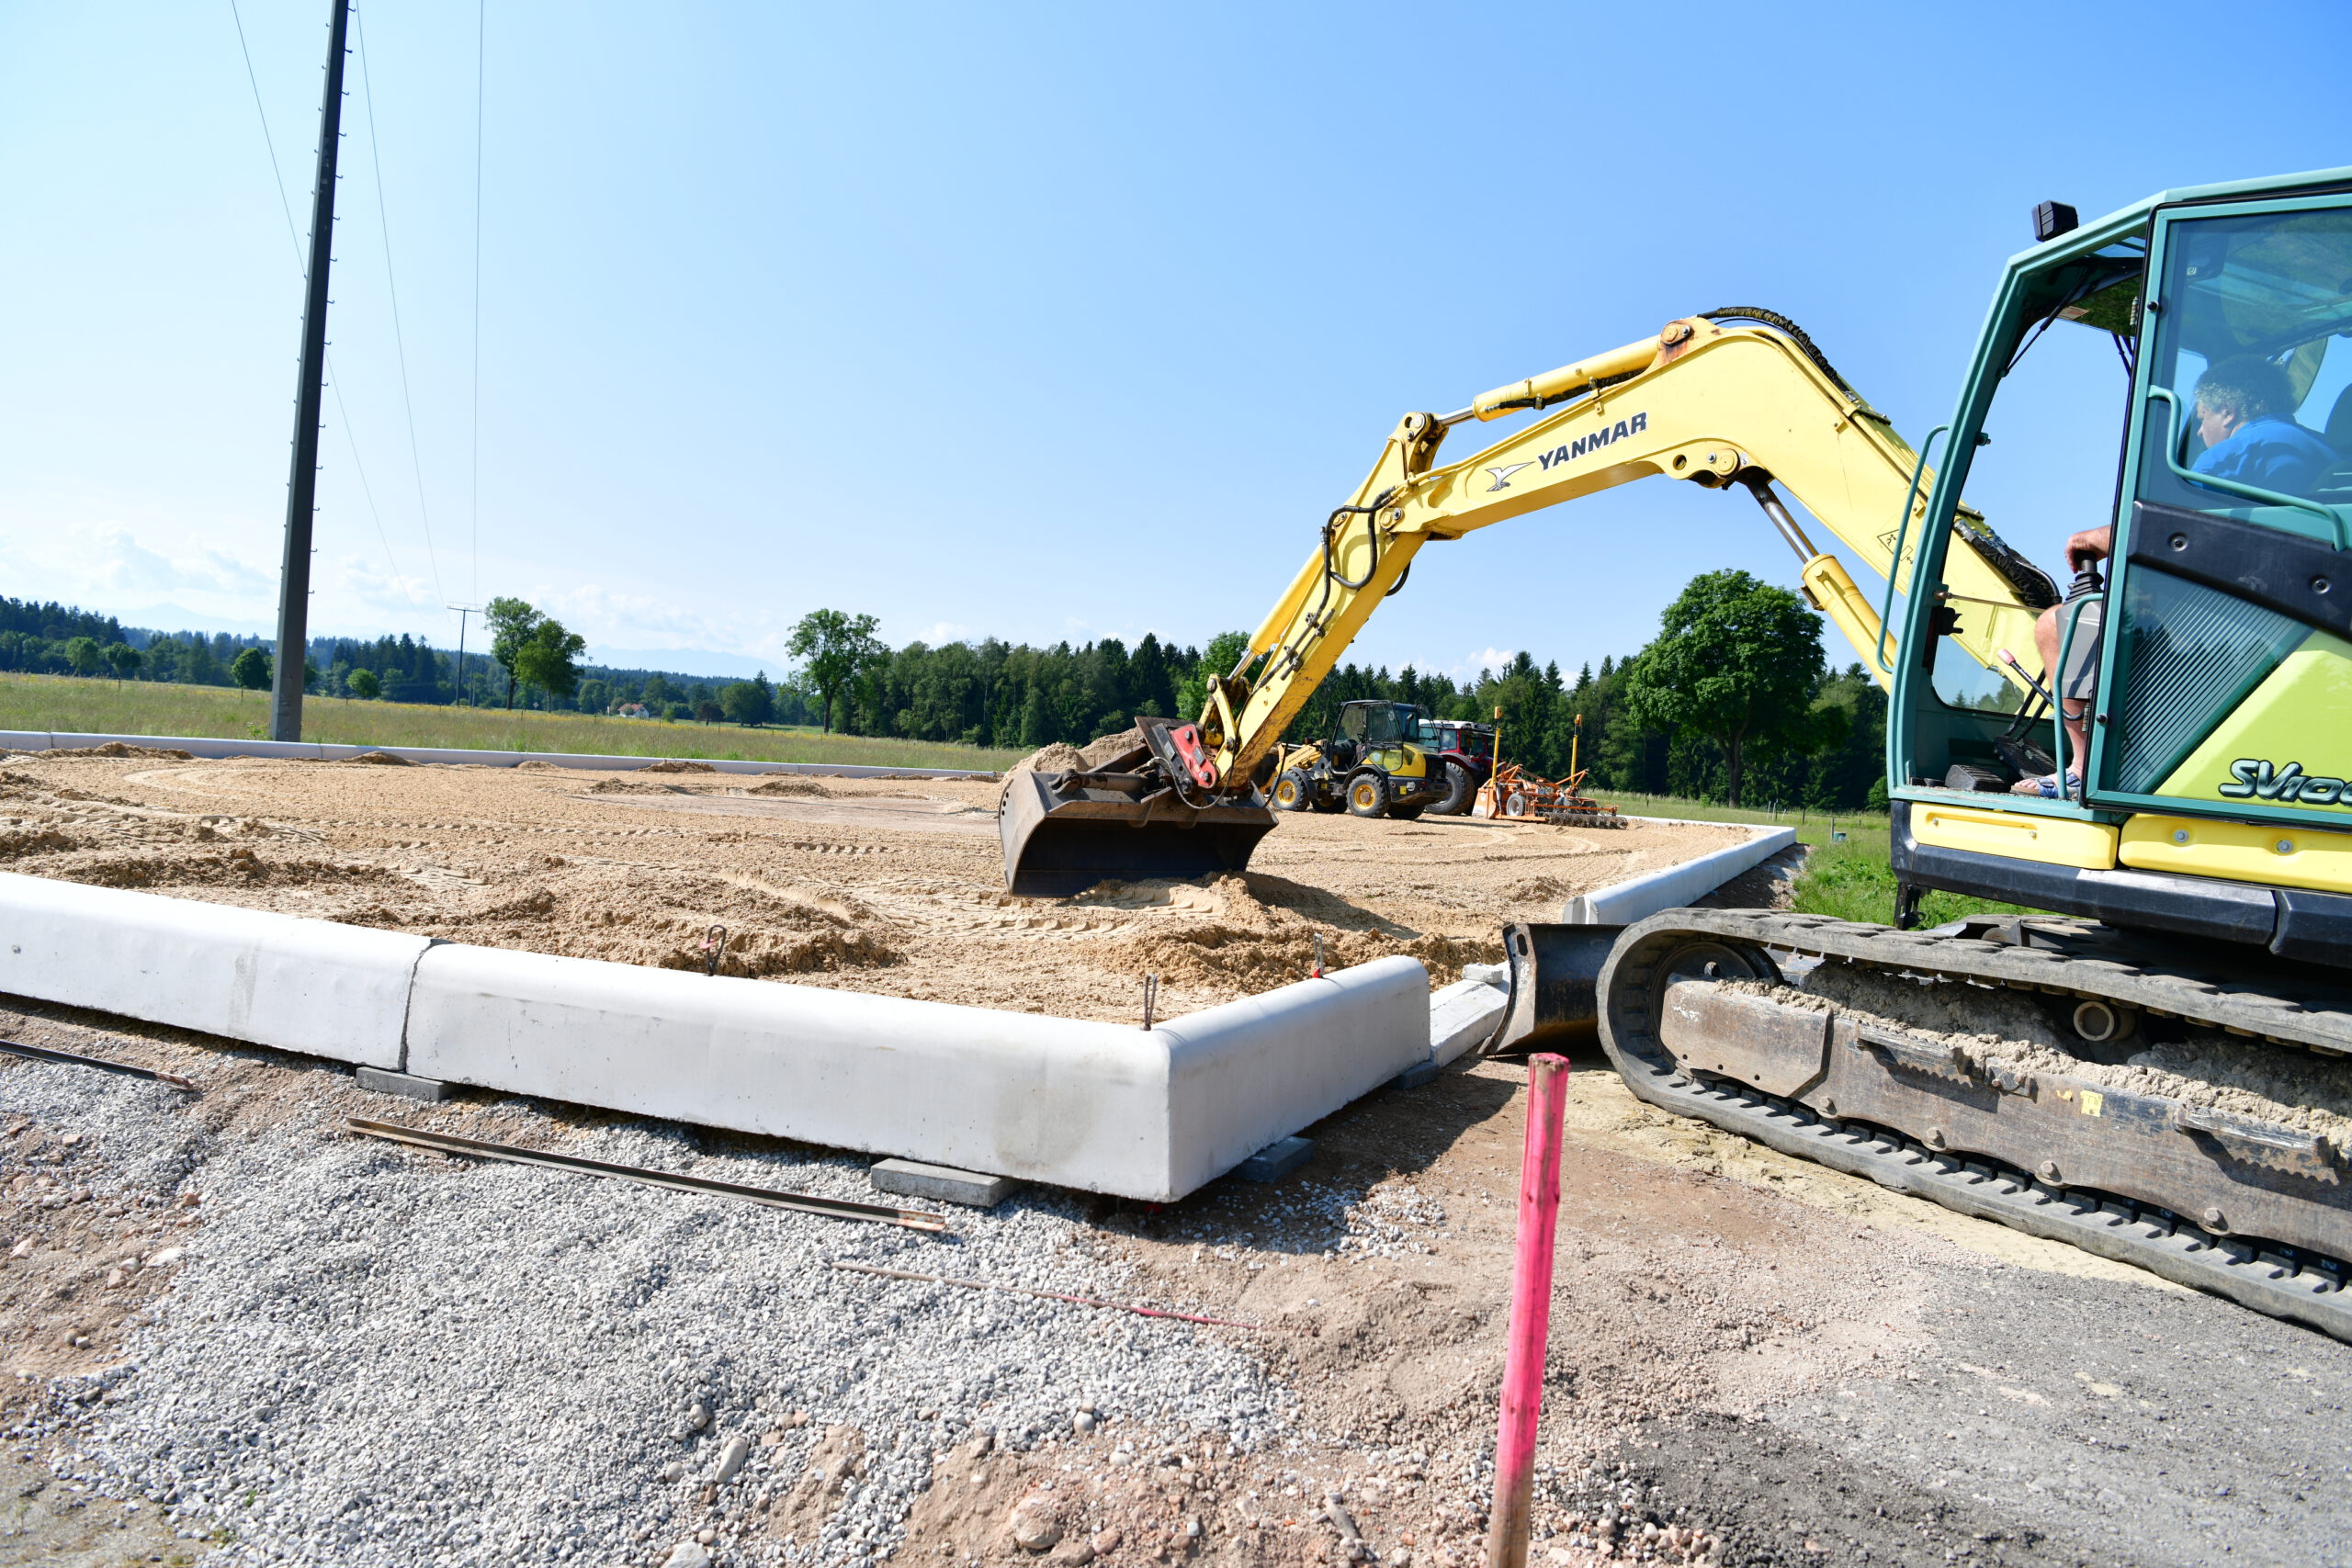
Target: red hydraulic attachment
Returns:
[[1186, 738]]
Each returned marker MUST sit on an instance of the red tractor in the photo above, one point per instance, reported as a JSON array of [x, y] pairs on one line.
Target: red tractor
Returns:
[[1464, 752]]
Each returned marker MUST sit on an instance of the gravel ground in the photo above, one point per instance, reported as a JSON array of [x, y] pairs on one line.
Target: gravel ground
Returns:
[[374, 1354], [277, 1342]]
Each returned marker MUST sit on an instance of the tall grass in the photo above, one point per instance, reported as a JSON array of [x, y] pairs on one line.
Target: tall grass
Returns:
[[1847, 870], [155, 707]]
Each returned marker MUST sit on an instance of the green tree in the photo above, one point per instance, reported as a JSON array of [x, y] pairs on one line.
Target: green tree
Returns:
[[749, 702], [363, 685], [512, 624], [708, 711], [834, 650], [1735, 660], [83, 655], [125, 658], [548, 659], [1225, 652], [251, 670]]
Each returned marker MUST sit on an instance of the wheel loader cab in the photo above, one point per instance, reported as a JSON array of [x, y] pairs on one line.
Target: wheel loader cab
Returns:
[[2212, 799]]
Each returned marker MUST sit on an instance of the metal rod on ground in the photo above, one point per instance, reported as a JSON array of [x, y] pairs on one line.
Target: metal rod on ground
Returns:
[[1530, 1313], [481, 1148], [1055, 1296], [71, 1059]]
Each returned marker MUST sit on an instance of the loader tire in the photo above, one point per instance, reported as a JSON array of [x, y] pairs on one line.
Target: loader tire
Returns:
[[1368, 795], [1293, 791], [1460, 790]]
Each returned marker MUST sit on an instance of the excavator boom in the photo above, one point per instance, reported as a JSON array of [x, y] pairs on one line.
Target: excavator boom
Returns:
[[1707, 400]]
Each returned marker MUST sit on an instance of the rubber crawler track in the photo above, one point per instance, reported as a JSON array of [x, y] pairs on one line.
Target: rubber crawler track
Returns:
[[2285, 1282]]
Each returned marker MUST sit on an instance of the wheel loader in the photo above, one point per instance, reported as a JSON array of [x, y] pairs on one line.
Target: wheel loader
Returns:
[[1377, 762], [2156, 1070]]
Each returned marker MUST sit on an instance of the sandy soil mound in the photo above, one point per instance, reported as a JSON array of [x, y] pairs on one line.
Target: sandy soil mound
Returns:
[[674, 765], [631, 787], [2204, 1068], [888, 885], [533, 765], [116, 749], [789, 783], [382, 760], [1055, 757], [664, 920], [1260, 933]]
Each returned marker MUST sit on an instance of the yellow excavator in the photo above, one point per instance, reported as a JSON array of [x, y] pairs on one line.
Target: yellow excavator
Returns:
[[2160, 1070]]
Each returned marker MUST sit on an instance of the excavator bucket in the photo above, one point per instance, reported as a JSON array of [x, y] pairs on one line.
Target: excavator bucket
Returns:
[[1064, 832], [1555, 988]]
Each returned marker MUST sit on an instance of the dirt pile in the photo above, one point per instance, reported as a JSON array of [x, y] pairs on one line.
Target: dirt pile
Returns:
[[1260, 933], [676, 765], [631, 787], [116, 749], [665, 919], [381, 760], [789, 783], [888, 885]]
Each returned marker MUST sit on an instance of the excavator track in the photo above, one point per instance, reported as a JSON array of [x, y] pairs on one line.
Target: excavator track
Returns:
[[1931, 1124]]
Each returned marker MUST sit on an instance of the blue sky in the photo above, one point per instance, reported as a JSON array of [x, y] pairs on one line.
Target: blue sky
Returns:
[[1038, 322]]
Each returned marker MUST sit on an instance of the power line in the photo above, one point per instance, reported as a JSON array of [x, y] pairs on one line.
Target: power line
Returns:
[[481, 38], [400, 343], [350, 436]]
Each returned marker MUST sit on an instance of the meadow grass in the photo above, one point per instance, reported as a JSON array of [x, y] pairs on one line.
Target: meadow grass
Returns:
[[1849, 878], [155, 707]]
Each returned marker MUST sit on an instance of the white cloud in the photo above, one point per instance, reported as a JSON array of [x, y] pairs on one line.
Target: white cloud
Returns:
[[1485, 659], [107, 567]]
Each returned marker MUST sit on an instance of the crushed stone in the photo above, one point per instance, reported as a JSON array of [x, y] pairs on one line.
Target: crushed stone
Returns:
[[373, 1356]]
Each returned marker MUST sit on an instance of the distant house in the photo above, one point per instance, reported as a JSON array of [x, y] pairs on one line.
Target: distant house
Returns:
[[634, 710]]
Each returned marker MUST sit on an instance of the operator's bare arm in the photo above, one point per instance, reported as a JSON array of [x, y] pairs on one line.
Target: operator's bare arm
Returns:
[[2090, 544]]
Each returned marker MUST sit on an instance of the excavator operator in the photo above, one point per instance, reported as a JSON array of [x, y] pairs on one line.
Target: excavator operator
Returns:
[[2246, 418]]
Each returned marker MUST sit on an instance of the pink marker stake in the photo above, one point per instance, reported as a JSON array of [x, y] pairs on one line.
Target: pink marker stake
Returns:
[[1530, 1313]]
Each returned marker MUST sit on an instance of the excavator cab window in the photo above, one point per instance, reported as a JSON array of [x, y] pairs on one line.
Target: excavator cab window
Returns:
[[2231, 601]]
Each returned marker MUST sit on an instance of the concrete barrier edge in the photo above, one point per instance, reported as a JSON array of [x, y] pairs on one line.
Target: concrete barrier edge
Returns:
[[1640, 897]]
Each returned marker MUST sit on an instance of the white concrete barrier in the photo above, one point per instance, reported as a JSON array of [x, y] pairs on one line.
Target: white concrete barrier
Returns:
[[321, 751], [1641, 896], [307, 985], [1461, 1016], [1108, 1108]]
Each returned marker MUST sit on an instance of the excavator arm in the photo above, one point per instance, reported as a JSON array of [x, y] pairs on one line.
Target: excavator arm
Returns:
[[1718, 405], [1714, 403]]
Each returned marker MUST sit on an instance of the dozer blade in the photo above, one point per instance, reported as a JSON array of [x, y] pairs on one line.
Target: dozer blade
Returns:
[[1064, 832], [1555, 988]]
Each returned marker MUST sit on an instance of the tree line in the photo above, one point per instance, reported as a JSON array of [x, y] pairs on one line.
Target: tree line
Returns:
[[1733, 700]]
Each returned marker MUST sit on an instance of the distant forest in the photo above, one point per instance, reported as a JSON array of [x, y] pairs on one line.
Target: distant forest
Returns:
[[994, 694]]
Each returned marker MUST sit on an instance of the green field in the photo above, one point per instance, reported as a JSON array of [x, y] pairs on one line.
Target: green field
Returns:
[[154, 707], [1849, 878]]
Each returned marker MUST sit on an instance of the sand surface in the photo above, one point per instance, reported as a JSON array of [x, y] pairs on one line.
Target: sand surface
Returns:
[[873, 885]]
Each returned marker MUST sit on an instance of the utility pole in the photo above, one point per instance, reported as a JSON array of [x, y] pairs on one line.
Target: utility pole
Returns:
[[463, 611], [302, 484]]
